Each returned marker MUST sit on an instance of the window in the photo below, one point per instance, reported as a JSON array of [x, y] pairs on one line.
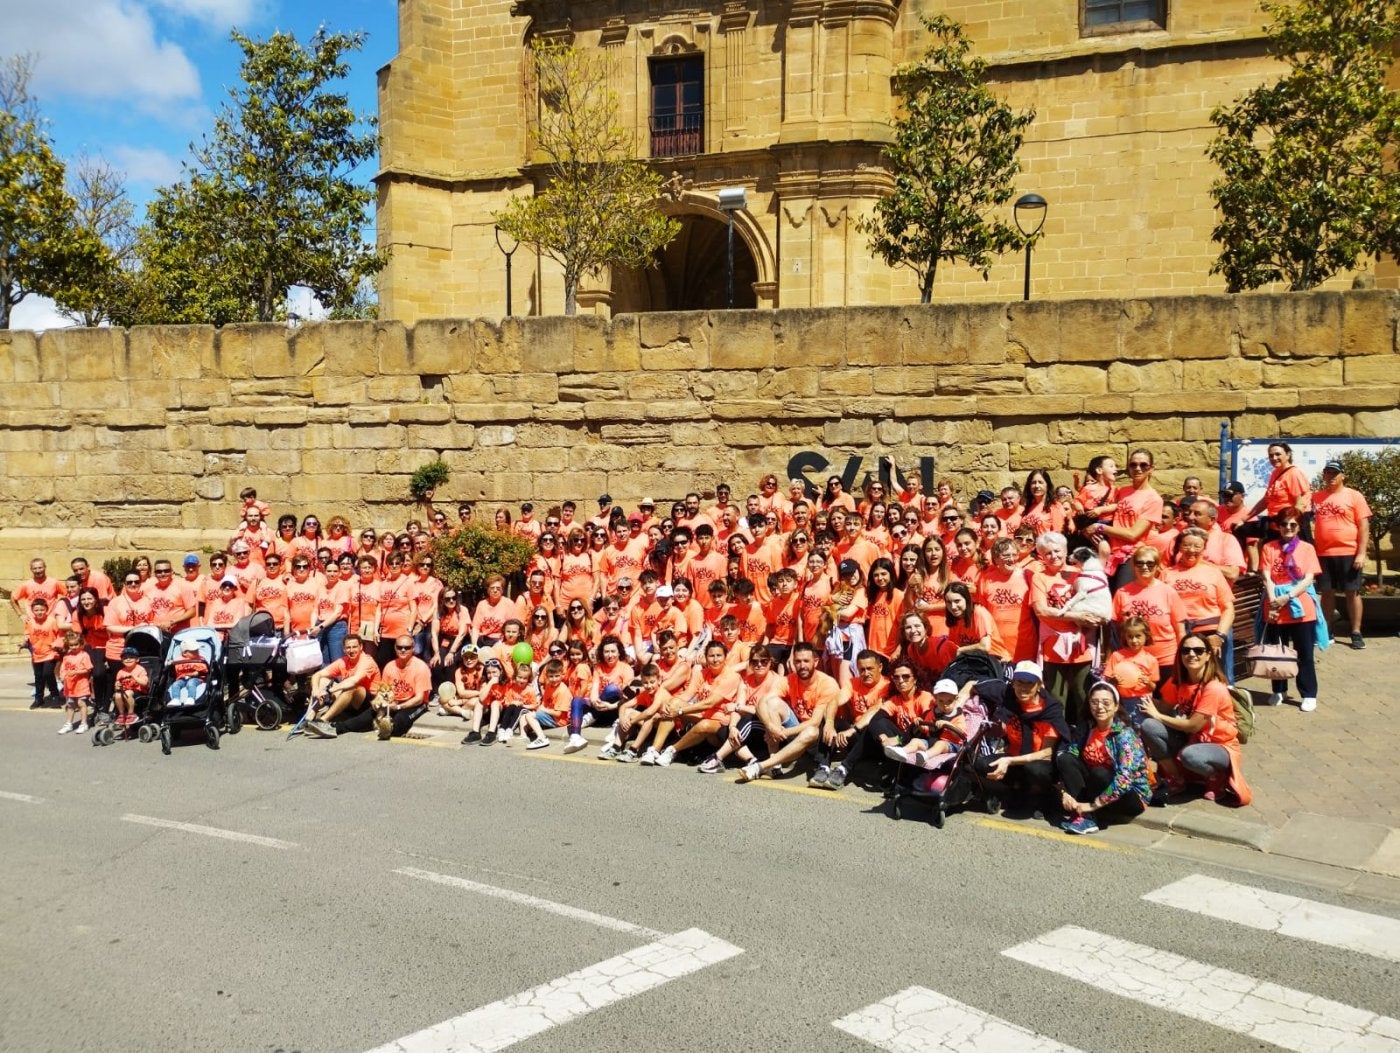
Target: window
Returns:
[[677, 106], [1118, 16]]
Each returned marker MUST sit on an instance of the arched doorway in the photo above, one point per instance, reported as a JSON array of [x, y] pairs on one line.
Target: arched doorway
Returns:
[[689, 274]]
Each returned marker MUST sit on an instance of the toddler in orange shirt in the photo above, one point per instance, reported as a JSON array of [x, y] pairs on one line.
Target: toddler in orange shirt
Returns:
[[75, 673], [1132, 669]]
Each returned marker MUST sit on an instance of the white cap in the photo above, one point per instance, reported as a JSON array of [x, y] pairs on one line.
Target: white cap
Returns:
[[1027, 671], [664, 590], [945, 687], [229, 581]]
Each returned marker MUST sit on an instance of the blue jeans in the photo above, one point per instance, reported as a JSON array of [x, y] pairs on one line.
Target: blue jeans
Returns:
[[333, 642]]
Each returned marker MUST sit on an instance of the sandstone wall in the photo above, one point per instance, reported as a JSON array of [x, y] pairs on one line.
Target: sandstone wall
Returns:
[[140, 440]]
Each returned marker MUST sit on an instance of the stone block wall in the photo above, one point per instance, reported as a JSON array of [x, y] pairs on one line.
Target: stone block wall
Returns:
[[140, 440]]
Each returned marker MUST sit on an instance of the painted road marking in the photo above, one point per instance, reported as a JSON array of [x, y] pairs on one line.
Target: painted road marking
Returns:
[[562, 909], [1078, 840], [1302, 919], [209, 831], [917, 1020], [26, 798], [1233, 1001], [521, 1016]]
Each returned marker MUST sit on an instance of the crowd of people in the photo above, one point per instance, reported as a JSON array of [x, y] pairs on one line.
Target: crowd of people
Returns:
[[788, 629]]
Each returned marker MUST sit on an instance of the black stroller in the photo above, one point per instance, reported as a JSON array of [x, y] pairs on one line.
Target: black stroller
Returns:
[[255, 663], [149, 644], [203, 707]]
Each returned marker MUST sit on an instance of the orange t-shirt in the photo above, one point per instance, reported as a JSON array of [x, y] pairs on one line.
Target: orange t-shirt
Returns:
[[76, 673], [701, 570], [364, 603], [1134, 674], [1337, 521], [982, 625], [1133, 507], [752, 624], [760, 561], [43, 637], [490, 619], [125, 613], [1204, 592], [1160, 607], [396, 609], [781, 616], [362, 674], [302, 600], [815, 594], [807, 697], [270, 594], [1286, 485], [218, 614], [906, 712], [1054, 591], [26, 592], [423, 598], [1275, 573], [1042, 521], [717, 692], [863, 698], [882, 622], [1006, 596], [618, 676], [576, 578], [410, 681], [134, 679]]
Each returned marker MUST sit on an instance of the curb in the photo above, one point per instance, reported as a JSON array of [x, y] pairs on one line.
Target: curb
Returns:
[[1225, 829]]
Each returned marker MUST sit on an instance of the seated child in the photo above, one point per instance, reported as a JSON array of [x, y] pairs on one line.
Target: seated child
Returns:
[[131, 680], [191, 670], [950, 721]]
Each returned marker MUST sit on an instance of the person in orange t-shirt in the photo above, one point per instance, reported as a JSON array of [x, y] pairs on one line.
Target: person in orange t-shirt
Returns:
[[1003, 589], [1156, 603], [401, 689], [1290, 567], [781, 615], [967, 625], [42, 634], [75, 672], [39, 586], [1131, 669], [1341, 529], [793, 714]]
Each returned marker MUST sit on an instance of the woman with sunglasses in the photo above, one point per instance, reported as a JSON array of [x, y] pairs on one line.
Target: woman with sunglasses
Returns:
[[1155, 602], [365, 546], [270, 593], [1193, 734], [423, 592], [546, 559], [339, 536], [539, 632], [1137, 509], [452, 626], [283, 544], [364, 602], [1289, 567]]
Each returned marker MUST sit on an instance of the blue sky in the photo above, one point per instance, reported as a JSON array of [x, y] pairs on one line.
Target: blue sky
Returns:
[[136, 81]]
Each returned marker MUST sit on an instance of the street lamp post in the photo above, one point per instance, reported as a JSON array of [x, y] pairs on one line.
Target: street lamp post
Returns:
[[1029, 203], [508, 253], [731, 200]]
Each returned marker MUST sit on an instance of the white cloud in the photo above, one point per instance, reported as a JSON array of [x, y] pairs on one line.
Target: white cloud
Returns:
[[141, 164], [37, 312], [106, 49], [221, 13]]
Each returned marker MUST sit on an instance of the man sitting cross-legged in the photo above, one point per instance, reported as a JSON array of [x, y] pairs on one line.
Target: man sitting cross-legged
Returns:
[[792, 715], [340, 693]]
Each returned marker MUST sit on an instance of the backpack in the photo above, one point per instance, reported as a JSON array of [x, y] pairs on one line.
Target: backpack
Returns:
[[1244, 713]]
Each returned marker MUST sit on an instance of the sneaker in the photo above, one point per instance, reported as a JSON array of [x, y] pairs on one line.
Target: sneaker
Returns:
[[538, 744], [1307, 706], [784, 769], [751, 771], [472, 736], [66, 728], [1080, 824], [711, 765], [83, 726], [488, 738], [504, 737], [608, 752], [575, 743], [319, 728], [897, 753], [649, 757], [385, 728], [589, 720], [627, 756], [818, 778], [1276, 699], [835, 779], [36, 704], [665, 757], [1358, 642]]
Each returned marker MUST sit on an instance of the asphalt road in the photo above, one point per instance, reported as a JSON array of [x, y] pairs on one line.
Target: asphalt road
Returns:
[[120, 935]]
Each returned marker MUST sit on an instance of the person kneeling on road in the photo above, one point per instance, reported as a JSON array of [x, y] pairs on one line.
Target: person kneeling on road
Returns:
[[340, 693], [792, 715], [401, 690]]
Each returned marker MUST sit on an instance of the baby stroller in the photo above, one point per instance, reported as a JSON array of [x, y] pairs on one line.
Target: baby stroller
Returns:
[[206, 709], [975, 665], [149, 644], [255, 662], [950, 780]]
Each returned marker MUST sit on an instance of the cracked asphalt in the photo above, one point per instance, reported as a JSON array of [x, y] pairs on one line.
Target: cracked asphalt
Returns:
[[318, 935]]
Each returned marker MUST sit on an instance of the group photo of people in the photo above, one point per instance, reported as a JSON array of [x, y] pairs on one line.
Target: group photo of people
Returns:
[[1067, 645]]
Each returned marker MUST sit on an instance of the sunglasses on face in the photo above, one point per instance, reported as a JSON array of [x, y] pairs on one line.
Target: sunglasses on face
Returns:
[[403, 650], [1145, 564], [133, 581], [1193, 650]]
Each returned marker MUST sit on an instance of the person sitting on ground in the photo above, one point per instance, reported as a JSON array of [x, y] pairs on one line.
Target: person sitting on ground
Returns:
[[758, 680], [703, 707], [610, 675], [494, 680], [1103, 769], [464, 700], [340, 693], [1033, 722], [520, 710], [402, 689], [644, 704], [857, 705], [556, 700], [1193, 733], [191, 672], [894, 710], [792, 715]]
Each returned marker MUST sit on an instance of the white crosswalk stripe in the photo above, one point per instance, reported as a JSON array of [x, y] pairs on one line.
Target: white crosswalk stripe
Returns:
[[1302, 919], [1259, 1009], [917, 1020]]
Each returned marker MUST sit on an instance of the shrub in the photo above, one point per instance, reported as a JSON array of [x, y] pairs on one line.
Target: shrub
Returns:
[[465, 558], [117, 569], [1377, 476], [426, 478]]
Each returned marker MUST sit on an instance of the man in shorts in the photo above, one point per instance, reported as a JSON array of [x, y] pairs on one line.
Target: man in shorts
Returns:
[[1341, 529], [793, 714]]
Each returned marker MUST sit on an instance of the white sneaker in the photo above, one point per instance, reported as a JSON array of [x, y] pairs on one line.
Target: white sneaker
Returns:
[[608, 752], [504, 738], [1307, 706], [575, 743], [589, 720], [751, 771], [665, 757], [539, 743], [66, 728], [897, 753], [83, 726], [650, 757], [1276, 699]]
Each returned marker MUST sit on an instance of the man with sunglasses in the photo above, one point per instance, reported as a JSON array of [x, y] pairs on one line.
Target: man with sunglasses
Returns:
[[401, 690], [126, 611], [173, 602]]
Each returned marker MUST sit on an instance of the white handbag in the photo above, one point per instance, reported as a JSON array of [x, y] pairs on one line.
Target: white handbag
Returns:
[[303, 656]]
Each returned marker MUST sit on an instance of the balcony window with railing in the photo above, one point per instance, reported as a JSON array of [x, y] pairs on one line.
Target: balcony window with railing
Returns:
[[677, 106]]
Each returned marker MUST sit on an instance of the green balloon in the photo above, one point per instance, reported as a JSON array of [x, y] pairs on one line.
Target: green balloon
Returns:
[[522, 654]]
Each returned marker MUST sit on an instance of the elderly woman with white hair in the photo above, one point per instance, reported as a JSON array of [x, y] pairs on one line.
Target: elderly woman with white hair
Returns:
[[1068, 639]]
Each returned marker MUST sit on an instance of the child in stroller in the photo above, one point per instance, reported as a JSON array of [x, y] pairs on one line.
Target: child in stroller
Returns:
[[937, 769], [191, 672], [947, 732]]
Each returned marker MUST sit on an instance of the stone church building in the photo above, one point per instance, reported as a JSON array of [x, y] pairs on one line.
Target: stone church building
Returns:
[[790, 100]]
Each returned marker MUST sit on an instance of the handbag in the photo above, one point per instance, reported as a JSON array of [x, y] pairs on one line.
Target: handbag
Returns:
[[1272, 661], [303, 656]]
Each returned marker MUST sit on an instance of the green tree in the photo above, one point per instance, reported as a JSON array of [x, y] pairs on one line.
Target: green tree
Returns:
[[1308, 183], [270, 201], [1377, 476], [43, 250], [953, 159], [103, 210], [465, 558], [597, 206]]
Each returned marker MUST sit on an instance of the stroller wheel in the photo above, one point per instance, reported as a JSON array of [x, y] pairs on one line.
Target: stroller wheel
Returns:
[[105, 734], [97, 738], [268, 714], [211, 736], [145, 733], [165, 739], [939, 814], [235, 718]]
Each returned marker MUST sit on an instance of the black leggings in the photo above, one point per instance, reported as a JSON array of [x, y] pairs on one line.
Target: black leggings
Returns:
[[1084, 783], [363, 720], [864, 744], [44, 680], [1034, 777]]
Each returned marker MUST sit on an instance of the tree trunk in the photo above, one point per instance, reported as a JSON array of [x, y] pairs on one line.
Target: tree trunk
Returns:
[[570, 296], [926, 287]]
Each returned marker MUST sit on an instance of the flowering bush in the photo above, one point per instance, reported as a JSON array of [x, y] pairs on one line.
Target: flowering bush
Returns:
[[465, 558]]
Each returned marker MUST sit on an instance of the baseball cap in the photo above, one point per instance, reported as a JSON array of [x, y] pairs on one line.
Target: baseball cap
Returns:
[[635, 517], [1335, 466], [130, 652], [986, 495], [945, 687], [605, 499], [1236, 487], [191, 560], [229, 581], [527, 507], [846, 568], [664, 590], [1027, 671]]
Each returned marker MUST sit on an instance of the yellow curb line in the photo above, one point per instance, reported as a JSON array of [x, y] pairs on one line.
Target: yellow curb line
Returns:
[[426, 742], [1051, 835]]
